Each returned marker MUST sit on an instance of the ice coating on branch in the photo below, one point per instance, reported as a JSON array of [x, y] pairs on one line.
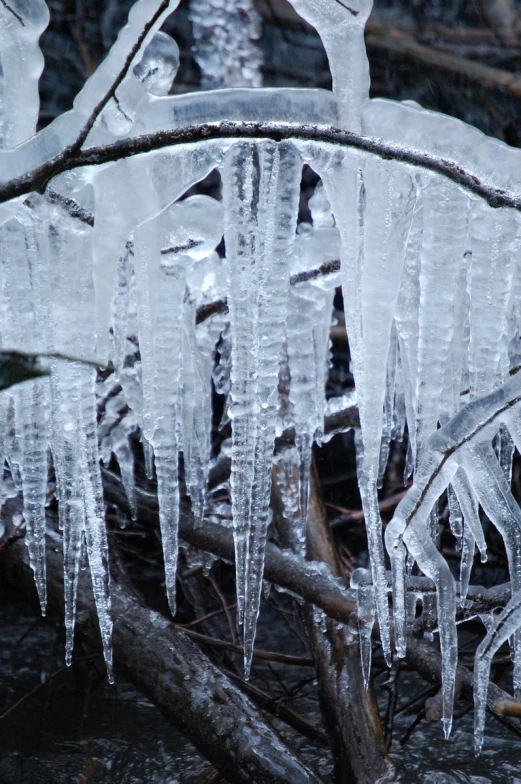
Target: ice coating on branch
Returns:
[[21, 25], [341, 28], [153, 75], [145, 19], [431, 283], [225, 32], [157, 68], [261, 193]]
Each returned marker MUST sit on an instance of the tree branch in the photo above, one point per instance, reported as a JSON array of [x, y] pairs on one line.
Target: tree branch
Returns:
[[193, 694], [72, 158]]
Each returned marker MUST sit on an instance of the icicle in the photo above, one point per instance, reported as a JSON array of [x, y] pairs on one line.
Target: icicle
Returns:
[[206, 283], [261, 187], [442, 253], [468, 546], [506, 625], [308, 339], [371, 271], [95, 532], [388, 412], [286, 473], [466, 498], [161, 290], [490, 281], [365, 611], [74, 423]]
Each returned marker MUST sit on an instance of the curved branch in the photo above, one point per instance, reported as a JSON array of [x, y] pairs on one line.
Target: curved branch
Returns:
[[71, 158]]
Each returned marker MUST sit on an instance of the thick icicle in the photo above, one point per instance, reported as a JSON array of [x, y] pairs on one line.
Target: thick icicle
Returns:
[[75, 435], [490, 282], [261, 187], [442, 253], [21, 25], [160, 296]]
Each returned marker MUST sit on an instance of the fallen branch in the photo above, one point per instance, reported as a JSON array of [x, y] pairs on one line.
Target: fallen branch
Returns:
[[193, 694]]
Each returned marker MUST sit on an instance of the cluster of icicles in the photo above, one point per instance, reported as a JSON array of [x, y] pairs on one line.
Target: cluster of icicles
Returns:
[[109, 255]]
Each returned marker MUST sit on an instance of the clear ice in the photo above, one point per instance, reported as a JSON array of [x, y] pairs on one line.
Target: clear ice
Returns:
[[430, 276]]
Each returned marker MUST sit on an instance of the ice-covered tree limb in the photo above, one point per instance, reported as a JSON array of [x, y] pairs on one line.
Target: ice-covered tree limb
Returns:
[[72, 158]]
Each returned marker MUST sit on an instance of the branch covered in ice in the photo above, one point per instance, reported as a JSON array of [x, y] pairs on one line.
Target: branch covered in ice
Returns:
[[71, 158]]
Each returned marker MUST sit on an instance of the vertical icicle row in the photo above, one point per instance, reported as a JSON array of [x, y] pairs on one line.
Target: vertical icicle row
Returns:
[[261, 187], [75, 446]]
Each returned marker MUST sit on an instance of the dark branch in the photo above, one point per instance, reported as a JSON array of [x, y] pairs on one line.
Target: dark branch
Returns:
[[71, 157], [16, 16], [221, 306], [70, 206]]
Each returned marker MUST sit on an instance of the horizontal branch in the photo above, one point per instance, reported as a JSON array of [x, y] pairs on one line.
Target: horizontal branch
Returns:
[[71, 158]]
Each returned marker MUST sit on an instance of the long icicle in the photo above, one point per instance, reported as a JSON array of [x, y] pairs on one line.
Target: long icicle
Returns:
[[261, 187]]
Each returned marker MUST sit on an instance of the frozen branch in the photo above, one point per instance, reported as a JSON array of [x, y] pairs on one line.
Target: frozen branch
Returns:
[[72, 158]]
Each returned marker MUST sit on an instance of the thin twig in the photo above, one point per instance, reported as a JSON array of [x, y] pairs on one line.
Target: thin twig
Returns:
[[41, 685], [11, 10], [226, 608], [111, 92], [283, 658], [206, 617]]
